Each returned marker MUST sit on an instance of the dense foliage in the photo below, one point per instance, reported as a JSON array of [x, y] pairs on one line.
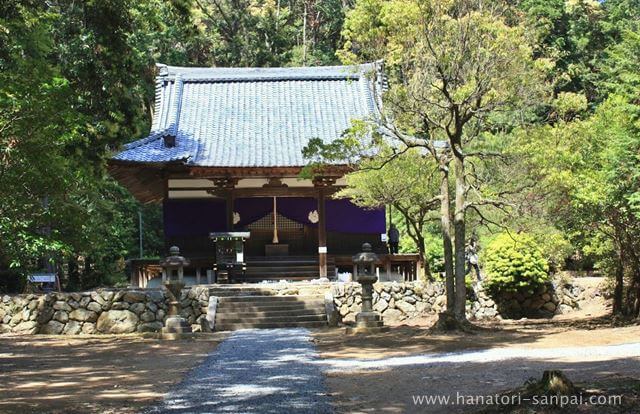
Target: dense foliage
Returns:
[[76, 81], [538, 99], [514, 262]]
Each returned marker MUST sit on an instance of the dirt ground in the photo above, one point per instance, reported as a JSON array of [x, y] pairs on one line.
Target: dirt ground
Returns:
[[392, 389], [47, 374]]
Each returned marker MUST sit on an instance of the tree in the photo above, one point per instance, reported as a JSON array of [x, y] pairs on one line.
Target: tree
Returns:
[[456, 68], [408, 183], [590, 172]]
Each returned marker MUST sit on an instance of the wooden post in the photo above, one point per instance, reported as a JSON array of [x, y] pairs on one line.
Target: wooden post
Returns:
[[322, 233], [230, 205], [197, 275]]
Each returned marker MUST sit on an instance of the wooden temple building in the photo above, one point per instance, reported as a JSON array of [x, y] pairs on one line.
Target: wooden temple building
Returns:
[[225, 154]]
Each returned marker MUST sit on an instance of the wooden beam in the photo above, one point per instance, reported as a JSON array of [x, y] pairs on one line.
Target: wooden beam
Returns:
[[270, 192], [322, 232]]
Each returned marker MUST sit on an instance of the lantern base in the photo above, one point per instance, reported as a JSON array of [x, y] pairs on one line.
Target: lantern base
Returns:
[[176, 325], [368, 322]]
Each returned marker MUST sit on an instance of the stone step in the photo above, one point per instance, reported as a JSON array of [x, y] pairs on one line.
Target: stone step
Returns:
[[235, 319], [221, 292], [269, 307], [270, 299], [271, 313], [268, 325]]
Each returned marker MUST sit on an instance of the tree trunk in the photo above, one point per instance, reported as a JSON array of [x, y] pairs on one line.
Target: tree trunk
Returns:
[[459, 229], [445, 220], [619, 287]]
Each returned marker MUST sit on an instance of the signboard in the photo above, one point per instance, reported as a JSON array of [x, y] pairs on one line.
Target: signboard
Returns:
[[383, 237], [42, 278]]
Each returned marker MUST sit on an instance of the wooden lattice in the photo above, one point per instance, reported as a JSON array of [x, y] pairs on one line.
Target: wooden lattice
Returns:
[[266, 224]]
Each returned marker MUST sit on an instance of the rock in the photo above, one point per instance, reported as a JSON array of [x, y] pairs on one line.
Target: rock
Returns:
[[423, 307], [33, 304], [16, 319], [137, 308], [74, 304], [119, 306], [45, 315], [117, 322], [385, 295], [107, 295], [564, 309], [344, 310], [29, 327], [150, 327], [97, 297], [410, 299], [549, 306], [88, 328], [95, 307], [381, 305], [153, 307], [83, 315], [160, 315], [60, 305], [72, 328], [546, 297], [61, 316], [85, 301], [156, 296], [392, 315], [134, 297], [147, 316], [405, 307], [52, 328]]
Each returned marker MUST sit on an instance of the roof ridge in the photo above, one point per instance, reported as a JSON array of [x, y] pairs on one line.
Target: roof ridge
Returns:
[[228, 74], [149, 138]]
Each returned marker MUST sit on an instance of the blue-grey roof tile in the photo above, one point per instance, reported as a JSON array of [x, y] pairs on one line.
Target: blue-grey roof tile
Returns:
[[252, 117]]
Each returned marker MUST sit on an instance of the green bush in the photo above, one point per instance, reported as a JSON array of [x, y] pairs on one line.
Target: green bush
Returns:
[[514, 262]]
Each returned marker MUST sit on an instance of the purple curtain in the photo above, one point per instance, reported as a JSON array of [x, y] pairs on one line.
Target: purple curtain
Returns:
[[345, 217], [342, 215], [194, 217], [252, 209], [200, 217]]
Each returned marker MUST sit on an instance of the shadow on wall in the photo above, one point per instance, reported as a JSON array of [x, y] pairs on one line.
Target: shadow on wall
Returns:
[[545, 301]]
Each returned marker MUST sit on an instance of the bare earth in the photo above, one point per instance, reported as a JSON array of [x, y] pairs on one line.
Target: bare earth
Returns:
[[48, 374], [391, 389]]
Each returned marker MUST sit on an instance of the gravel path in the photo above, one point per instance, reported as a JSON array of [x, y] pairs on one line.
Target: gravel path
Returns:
[[584, 353], [254, 371]]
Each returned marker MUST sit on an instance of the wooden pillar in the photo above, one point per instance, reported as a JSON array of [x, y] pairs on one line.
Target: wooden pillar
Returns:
[[230, 205], [322, 233], [197, 275]]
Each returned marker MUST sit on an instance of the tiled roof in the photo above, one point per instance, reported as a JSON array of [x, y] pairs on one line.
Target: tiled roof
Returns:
[[246, 117]]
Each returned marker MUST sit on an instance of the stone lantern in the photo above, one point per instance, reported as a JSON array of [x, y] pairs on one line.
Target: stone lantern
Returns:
[[172, 279], [364, 264]]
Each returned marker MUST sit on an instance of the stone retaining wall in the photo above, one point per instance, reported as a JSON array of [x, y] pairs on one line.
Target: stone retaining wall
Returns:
[[399, 301], [103, 311]]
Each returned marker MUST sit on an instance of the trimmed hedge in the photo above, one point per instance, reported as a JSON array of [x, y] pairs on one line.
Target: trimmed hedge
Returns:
[[514, 262]]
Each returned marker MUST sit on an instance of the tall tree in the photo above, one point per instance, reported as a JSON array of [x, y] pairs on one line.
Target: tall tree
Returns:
[[457, 67]]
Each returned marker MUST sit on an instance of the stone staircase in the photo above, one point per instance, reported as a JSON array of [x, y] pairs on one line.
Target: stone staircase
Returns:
[[243, 307]]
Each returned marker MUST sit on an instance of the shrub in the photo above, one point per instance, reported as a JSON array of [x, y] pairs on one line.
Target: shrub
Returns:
[[514, 262]]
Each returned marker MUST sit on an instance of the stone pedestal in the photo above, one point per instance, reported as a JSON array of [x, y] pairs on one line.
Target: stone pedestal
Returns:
[[367, 321], [175, 324]]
